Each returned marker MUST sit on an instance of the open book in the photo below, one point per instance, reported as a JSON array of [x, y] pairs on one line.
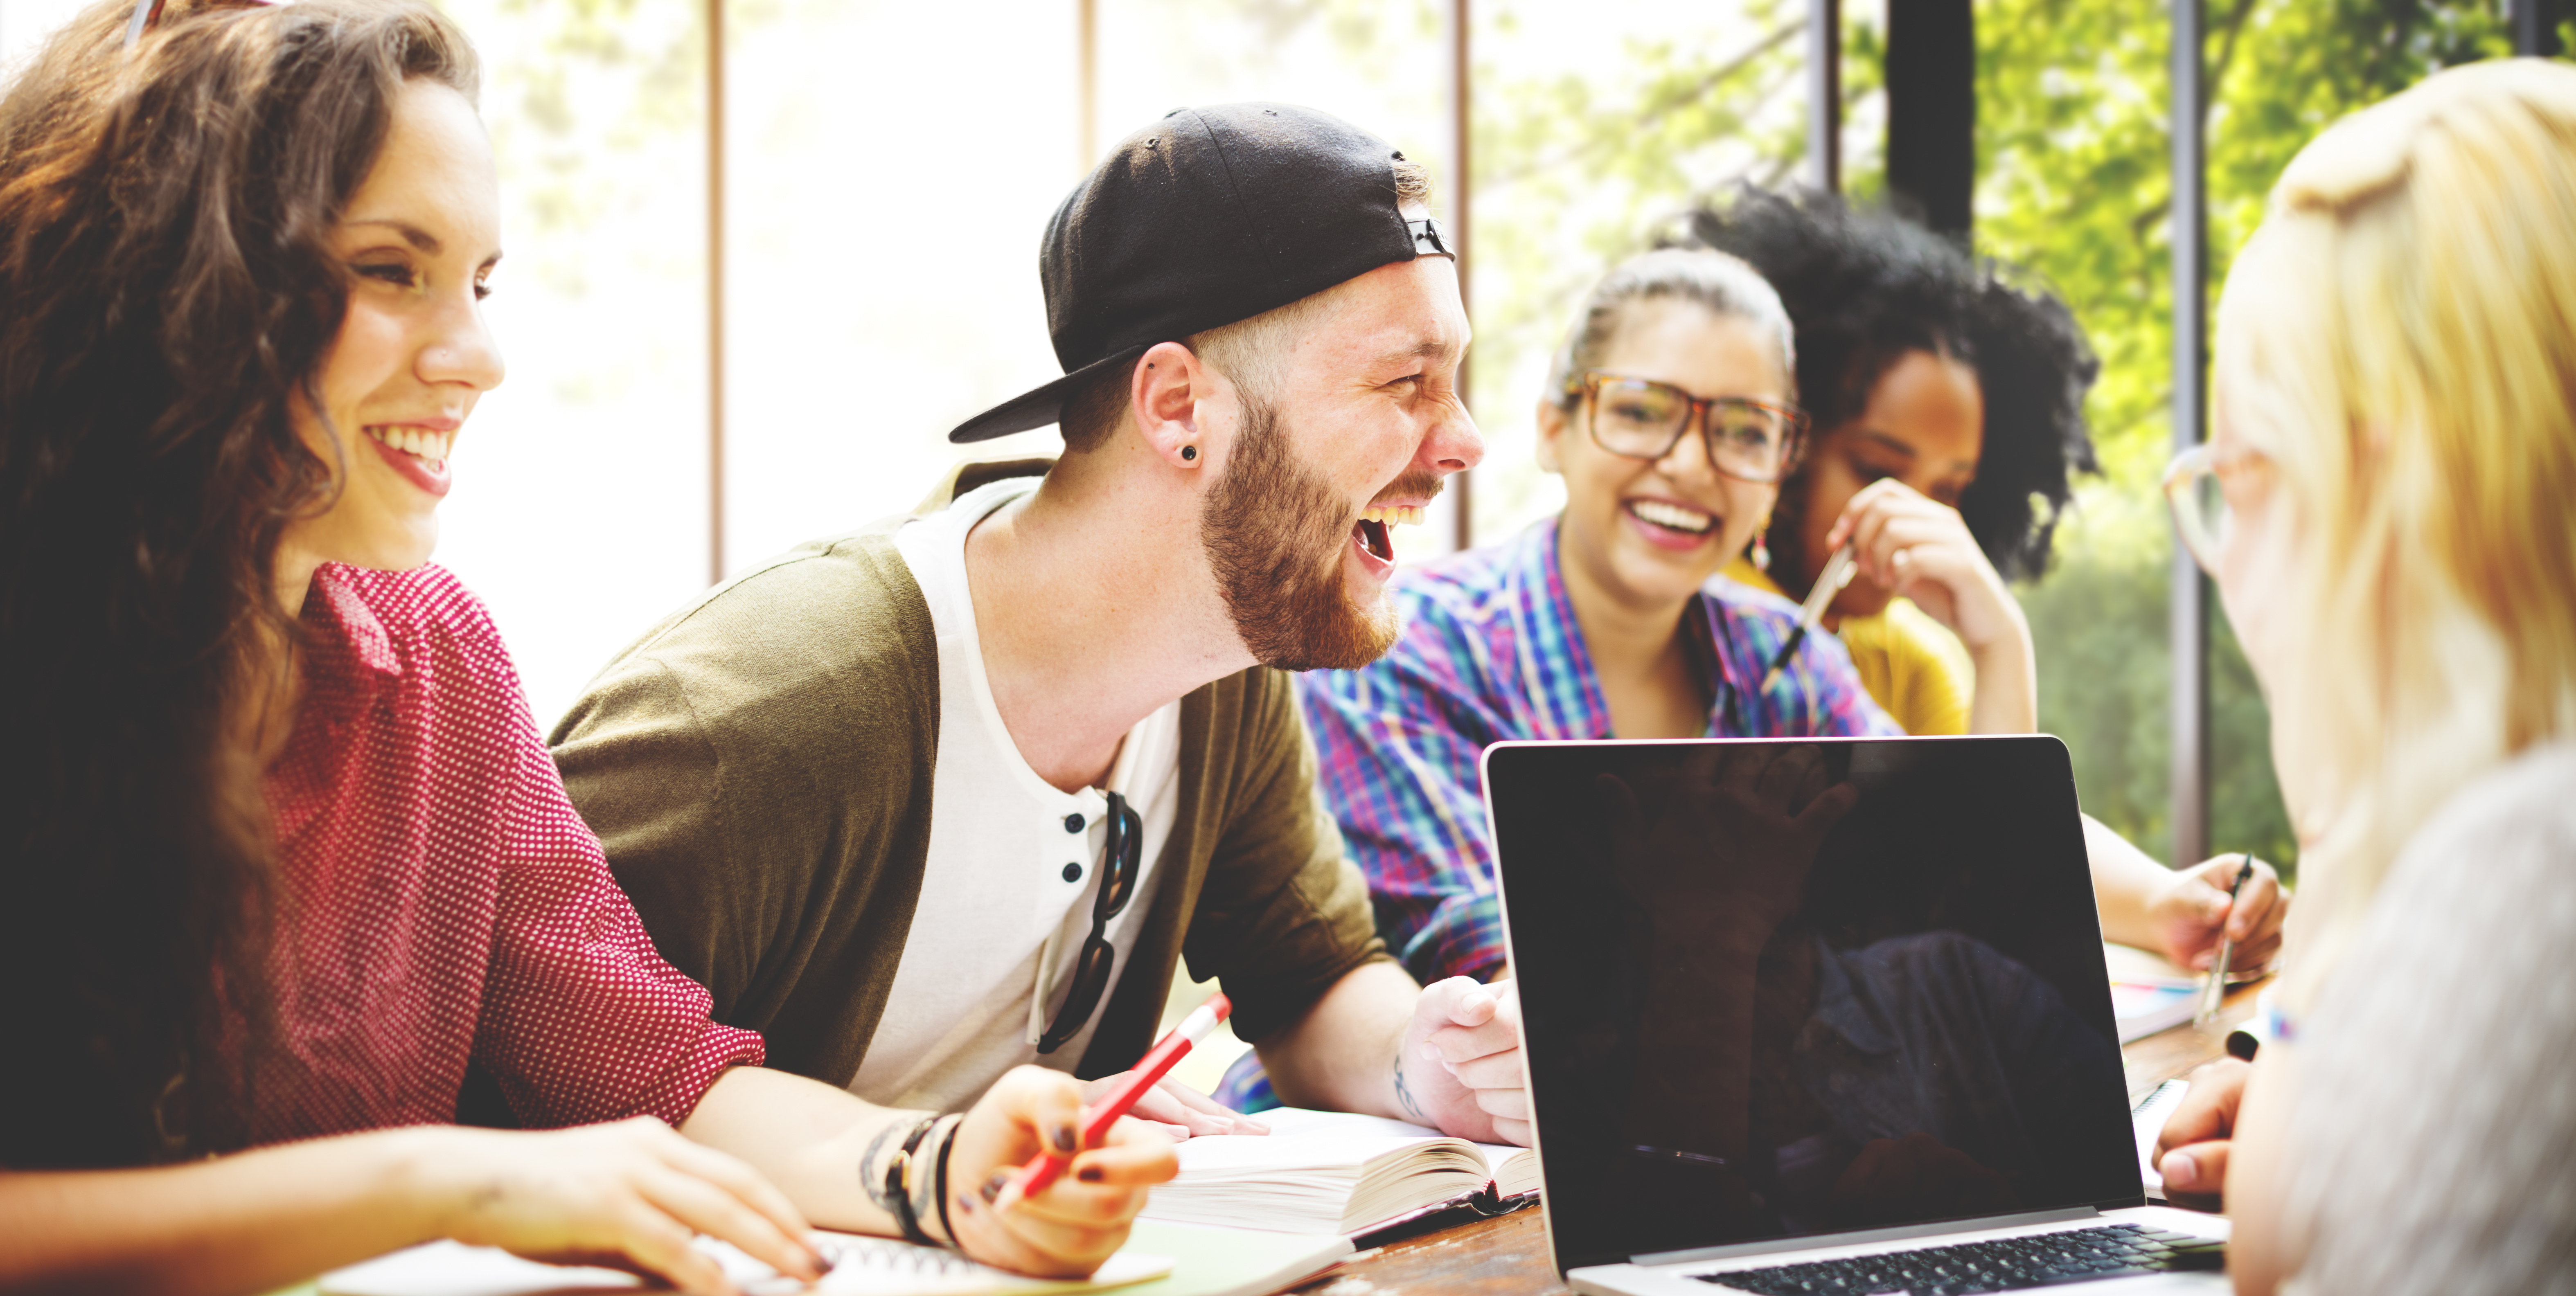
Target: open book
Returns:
[[1326, 1172]]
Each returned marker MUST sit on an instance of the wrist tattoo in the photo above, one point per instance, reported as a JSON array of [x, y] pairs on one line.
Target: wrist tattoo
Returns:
[[1404, 1094]]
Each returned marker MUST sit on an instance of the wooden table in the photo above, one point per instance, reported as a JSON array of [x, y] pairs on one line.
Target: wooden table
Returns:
[[1509, 1255]]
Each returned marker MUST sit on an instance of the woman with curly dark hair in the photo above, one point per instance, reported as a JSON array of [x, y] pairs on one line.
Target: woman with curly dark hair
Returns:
[[1948, 401], [283, 859], [1924, 367]]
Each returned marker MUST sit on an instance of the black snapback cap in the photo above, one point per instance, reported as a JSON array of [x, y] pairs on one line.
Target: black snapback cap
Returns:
[[1207, 217]]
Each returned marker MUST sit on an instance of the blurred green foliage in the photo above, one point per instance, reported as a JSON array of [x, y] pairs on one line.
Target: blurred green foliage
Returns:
[[2073, 155], [1577, 164], [1577, 168]]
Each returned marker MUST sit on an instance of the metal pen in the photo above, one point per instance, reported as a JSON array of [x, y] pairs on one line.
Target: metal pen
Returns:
[[2215, 989], [1829, 582]]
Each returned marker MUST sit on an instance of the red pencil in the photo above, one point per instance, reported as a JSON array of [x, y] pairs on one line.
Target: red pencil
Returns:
[[1096, 1120]]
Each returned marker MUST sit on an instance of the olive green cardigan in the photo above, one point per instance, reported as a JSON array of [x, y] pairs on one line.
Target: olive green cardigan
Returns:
[[759, 768]]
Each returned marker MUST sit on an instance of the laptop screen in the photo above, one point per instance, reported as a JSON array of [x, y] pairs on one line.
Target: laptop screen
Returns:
[[1781, 988]]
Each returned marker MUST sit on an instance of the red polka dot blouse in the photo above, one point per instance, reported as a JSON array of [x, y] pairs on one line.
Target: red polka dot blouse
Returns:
[[441, 900]]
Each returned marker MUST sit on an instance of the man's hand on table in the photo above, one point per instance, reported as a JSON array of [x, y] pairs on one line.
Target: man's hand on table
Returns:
[[2190, 913], [1177, 1109], [2191, 1152], [1459, 1066]]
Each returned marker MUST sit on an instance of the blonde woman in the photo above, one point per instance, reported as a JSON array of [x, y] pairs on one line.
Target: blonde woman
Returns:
[[2383, 504]]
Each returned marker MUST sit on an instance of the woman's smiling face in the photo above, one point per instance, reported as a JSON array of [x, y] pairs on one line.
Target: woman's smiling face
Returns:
[[417, 240], [1651, 533]]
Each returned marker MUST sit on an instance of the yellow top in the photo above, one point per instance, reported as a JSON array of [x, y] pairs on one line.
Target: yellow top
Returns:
[[1917, 670]]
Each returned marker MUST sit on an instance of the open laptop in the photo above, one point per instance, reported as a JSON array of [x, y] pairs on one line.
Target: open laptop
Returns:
[[1822, 1016]]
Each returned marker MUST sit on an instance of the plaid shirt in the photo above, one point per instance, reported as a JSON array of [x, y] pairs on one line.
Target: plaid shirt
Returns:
[[1491, 652]]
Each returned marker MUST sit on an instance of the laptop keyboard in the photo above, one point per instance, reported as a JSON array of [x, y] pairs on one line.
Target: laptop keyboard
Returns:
[[2005, 1264]]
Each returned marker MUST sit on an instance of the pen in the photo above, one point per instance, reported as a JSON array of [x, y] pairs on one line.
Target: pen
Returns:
[[2215, 989], [1829, 582], [1096, 1119]]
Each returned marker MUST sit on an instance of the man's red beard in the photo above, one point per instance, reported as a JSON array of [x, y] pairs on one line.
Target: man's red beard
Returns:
[[1274, 531]]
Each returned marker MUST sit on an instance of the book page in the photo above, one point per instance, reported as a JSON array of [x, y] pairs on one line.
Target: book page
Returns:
[[1317, 1172], [1300, 1122]]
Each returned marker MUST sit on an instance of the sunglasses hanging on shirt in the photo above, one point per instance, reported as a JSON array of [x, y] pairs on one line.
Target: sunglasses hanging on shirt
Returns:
[[1121, 862]]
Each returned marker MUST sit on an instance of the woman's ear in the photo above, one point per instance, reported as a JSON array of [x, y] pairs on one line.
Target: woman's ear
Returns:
[[1166, 389], [1551, 427]]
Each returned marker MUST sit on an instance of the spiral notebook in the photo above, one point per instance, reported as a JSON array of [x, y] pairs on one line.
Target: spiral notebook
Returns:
[[861, 1266]]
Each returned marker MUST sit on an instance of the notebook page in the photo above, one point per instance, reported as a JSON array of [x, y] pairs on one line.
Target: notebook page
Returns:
[[862, 1266]]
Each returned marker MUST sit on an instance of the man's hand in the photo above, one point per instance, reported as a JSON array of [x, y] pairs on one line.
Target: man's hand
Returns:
[[628, 1195], [1177, 1109], [1459, 1066], [2191, 1152], [1067, 1230], [2189, 912]]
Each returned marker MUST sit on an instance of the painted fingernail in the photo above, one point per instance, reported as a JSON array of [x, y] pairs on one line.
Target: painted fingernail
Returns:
[[1090, 1174], [1067, 1139], [2180, 1170], [965, 1203], [993, 1186]]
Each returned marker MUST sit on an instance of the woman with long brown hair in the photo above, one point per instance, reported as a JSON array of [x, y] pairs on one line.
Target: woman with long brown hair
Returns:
[[284, 866]]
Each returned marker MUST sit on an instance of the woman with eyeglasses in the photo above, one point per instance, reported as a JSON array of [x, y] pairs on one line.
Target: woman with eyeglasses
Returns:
[[2383, 505], [1949, 399], [1672, 414], [286, 871]]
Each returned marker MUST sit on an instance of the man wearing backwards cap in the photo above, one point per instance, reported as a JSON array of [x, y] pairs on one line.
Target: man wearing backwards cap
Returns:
[[951, 796]]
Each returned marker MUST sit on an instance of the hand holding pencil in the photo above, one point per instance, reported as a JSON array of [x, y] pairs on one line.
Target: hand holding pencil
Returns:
[[1122, 1095], [1069, 1228], [1046, 1185], [2191, 914]]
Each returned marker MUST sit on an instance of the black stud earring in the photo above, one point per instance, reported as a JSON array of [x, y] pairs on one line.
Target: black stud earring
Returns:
[[1189, 454]]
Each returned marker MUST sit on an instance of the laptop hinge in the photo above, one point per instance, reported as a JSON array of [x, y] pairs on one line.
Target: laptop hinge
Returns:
[[1770, 1246]]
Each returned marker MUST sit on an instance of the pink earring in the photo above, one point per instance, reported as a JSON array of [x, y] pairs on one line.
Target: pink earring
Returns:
[[1761, 550]]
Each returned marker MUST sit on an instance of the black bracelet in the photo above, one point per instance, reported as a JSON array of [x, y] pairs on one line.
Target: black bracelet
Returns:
[[893, 1194], [899, 1182], [947, 1142]]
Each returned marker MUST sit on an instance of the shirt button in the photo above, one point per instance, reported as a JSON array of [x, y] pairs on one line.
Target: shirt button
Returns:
[[1073, 823], [1072, 872]]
